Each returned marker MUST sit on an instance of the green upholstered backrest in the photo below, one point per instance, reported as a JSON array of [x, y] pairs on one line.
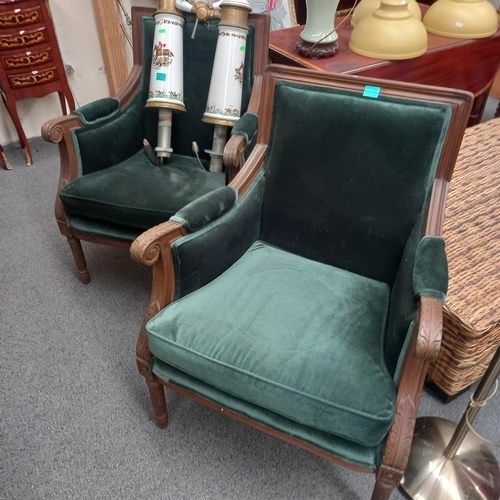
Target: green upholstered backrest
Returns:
[[135, 122], [347, 175], [98, 150], [198, 62]]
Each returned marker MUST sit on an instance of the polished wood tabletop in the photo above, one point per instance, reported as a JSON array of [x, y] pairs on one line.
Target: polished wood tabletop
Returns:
[[449, 62]]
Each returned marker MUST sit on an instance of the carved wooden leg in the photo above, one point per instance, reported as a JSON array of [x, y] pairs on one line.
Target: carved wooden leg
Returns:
[[387, 480], [81, 264], [157, 394]]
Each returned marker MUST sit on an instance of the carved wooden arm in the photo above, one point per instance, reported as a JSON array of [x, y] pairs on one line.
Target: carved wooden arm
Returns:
[[424, 347], [235, 147]]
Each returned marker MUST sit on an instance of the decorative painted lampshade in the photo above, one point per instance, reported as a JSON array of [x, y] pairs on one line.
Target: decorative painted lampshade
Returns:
[[390, 32], [224, 96], [366, 7], [461, 18], [166, 86], [226, 86]]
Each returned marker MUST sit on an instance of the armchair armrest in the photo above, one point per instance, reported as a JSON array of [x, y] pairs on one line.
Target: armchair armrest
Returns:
[[246, 127], [244, 133], [206, 209], [430, 282], [430, 271], [98, 111]]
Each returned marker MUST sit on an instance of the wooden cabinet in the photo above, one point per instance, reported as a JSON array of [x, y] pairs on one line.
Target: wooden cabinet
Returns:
[[30, 61]]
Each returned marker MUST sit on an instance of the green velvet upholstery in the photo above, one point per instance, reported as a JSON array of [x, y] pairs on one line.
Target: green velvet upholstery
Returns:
[[137, 193], [362, 456], [246, 127], [206, 209], [109, 143], [313, 354], [101, 229], [98, 111], [202, 256], [381, 174], [118, 186], [430, 274]]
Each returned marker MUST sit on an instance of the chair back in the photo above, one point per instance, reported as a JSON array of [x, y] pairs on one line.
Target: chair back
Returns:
[[186, 127], [347, 175]]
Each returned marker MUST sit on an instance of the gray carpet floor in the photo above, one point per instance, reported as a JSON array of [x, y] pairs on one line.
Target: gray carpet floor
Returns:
[[76, 420]]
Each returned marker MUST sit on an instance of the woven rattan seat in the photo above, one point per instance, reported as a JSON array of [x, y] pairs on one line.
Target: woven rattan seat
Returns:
[[471, 329]]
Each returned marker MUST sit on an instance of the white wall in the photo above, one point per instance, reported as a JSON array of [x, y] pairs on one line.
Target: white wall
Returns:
[[76, 31]]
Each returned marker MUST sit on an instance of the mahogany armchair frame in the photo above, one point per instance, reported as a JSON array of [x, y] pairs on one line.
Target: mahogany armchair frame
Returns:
[[153, 248], [60, 130]]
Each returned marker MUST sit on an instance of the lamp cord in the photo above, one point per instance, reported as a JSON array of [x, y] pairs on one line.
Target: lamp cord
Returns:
[[480, 404]]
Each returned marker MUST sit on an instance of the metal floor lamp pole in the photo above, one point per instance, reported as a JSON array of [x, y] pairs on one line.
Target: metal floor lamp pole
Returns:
[[447, 462]]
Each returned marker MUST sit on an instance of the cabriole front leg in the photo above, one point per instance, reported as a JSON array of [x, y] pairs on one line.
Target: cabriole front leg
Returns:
[[81, 263]]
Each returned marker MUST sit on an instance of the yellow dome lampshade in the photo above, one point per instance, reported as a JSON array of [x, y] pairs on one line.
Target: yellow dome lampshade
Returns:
[[390, 32], [366, 7], [461, 19]]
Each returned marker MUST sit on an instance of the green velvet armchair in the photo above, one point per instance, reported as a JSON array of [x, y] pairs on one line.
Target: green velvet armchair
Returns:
[[305, 299], [109, 191]]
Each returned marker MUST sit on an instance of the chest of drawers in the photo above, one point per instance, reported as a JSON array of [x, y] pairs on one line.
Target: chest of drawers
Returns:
[[30, 61]]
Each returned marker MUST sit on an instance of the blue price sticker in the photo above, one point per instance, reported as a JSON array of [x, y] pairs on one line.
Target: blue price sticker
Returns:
[[372, 92], [161, 76]]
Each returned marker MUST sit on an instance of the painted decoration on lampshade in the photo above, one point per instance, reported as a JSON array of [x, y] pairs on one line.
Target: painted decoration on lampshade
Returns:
[[226, 86], [166, 88]]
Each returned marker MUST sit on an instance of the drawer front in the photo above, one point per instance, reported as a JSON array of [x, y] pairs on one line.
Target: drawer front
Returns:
[[23, 38], [33, 78], [19, 18], [27, 58]]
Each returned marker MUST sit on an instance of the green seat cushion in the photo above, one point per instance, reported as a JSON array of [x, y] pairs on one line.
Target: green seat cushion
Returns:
[[293, 336], [353, 453], [136, 193]]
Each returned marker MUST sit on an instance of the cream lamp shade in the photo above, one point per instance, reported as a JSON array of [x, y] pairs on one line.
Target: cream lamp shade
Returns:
[[366, 7], [390, 32], [461, 19]]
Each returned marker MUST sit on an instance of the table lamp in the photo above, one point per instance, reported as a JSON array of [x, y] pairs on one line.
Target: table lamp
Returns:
[[366, 7], [166, 91], [319, 38], [461, 19], [390, 32]]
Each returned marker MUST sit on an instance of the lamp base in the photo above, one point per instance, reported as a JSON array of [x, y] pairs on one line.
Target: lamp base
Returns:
[[472, 474], [317, 51]]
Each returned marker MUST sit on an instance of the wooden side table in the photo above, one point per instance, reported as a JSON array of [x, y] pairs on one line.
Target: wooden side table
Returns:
[[30, 61], [461, 64]]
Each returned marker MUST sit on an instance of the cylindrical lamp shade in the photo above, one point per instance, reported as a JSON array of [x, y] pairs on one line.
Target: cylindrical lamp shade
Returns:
[[461, 19], [391, 32], [366, 7], [166, 87], [224, 96]]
